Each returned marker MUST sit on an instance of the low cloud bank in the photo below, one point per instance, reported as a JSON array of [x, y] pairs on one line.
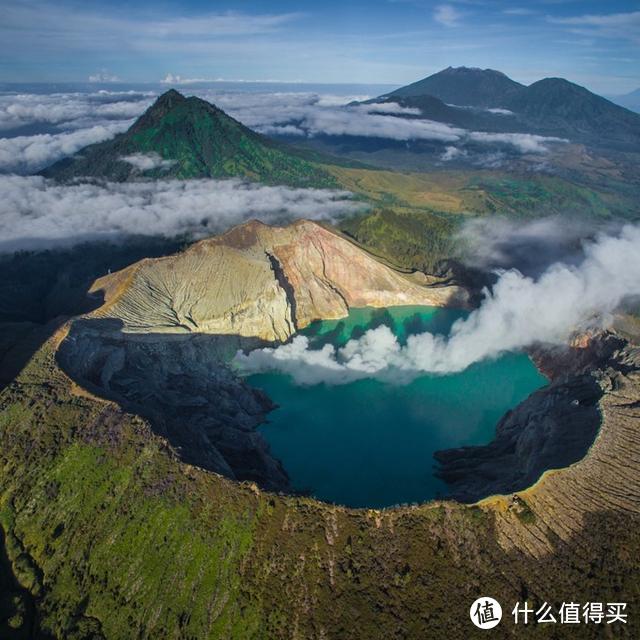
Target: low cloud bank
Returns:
[[68, 109], [309, 114], [37, 213], [28, 154], [518, 312], [65, 122], [523, 142]]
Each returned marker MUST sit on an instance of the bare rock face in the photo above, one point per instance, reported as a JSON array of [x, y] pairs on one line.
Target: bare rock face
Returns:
[[261, 281], [552, 429], [182, 386]]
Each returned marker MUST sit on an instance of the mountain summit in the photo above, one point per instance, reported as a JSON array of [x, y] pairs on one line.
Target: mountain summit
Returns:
[[551, 107], [555, 106], [180, 137], [463, 86]]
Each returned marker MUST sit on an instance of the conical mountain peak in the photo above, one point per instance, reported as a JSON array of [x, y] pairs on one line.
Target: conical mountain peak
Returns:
[[185, 138]]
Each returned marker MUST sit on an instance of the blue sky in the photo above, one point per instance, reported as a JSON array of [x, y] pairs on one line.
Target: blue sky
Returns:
[[591, 42]]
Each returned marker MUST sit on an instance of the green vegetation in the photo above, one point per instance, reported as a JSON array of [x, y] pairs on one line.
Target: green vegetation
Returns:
[[414, 216], [411, 240]]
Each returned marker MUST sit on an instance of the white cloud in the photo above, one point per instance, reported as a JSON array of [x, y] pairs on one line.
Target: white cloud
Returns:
[[390, 108], [104, 76], [358, 122], [311, 114], [612, 25], [173, 80], [72, 110], [499, 111], [37, 213], [148, 161], [27, 154], [85, 118], [447, 15], [451, 153], [517, 313], [523, 142]]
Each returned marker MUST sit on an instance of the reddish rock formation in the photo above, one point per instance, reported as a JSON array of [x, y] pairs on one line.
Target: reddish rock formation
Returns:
[[264, 282]]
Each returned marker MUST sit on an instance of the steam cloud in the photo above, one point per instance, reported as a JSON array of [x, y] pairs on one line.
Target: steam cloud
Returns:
[[36, 213], [495, 242], [519, 311]]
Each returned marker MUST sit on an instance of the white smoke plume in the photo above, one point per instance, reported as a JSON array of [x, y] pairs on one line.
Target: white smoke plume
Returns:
[[38, 213], [518, 312]]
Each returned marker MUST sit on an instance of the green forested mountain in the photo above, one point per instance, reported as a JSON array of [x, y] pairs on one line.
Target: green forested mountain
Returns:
[[179, 137]]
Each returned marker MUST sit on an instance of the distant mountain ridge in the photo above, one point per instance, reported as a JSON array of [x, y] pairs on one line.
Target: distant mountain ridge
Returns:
[[551, 106], [180, 137], [463, 86], [629, 100], [557, 106]]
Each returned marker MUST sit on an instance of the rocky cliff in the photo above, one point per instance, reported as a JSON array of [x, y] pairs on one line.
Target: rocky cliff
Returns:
[[261, 281], [182, 386]]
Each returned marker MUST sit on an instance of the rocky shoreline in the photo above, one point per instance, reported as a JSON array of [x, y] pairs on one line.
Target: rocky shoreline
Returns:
[[552, 429]]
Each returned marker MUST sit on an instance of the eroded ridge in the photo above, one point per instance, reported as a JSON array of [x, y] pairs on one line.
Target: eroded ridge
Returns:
[[564, 502], [261, 281]]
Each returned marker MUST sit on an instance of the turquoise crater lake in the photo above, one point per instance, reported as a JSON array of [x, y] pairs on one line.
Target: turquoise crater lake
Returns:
[[370, 443]]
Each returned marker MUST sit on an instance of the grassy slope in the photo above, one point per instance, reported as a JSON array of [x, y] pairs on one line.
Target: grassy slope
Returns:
[[414, 216], [115, 538]]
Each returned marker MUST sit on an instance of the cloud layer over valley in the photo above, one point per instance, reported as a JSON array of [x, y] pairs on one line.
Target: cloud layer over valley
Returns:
[[37, 213], [518, 312], [28, 154], [37, 129]]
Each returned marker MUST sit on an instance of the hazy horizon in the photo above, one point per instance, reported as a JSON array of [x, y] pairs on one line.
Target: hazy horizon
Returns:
[[393, 42]]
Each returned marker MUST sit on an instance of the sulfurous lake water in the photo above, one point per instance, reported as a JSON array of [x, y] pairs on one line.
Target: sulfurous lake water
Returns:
[[370, 443]]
